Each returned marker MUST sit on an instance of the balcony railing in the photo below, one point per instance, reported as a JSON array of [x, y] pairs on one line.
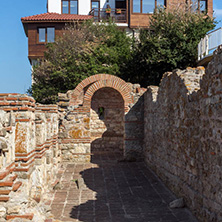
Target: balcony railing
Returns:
[[209, 43], [116, 15]]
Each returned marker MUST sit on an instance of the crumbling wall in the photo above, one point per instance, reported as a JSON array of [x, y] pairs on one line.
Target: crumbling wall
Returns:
[[182, 140], [29, 156], [134, 124], [82, 132]]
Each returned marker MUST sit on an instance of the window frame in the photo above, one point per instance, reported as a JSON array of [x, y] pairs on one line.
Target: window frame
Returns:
[[46, 34], [69, 7], [199, 8], [94, 1], [38, 35], [141, 7]]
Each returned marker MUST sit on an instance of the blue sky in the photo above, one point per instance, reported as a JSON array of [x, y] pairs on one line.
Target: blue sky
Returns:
[[15, 69]]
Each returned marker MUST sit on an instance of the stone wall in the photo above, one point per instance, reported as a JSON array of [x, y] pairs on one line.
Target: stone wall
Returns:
[[107, 121], [134, 124], [84, 132], [176, 128], [29, 156], [182, 140]]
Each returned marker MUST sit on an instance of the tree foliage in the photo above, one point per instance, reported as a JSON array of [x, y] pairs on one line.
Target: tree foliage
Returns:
[[84, 50], [171, 42], [87, 49]]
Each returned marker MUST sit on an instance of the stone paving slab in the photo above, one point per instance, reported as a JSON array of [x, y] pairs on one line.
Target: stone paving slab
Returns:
[[110, 191]]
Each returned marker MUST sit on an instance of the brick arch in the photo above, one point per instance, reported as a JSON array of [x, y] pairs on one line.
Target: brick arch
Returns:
[[91, 80], [123, 89]]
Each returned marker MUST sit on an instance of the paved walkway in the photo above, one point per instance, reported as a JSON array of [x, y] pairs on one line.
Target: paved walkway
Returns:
[[113, 192]]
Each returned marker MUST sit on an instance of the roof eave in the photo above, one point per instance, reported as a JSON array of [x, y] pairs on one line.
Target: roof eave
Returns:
[[25, 28], [54, 21]]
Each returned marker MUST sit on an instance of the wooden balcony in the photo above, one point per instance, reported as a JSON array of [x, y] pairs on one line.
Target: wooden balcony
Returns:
[[116, 15]]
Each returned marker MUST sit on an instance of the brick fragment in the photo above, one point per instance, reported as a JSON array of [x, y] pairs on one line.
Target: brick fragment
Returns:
[[16, 186], [4, 199], [25, 216]]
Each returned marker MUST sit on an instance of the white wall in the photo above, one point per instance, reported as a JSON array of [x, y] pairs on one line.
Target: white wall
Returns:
[[84, 7], [104, 3], [54, 6]]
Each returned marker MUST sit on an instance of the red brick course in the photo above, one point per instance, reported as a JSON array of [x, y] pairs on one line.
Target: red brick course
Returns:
[[25, 216], [100, 79]]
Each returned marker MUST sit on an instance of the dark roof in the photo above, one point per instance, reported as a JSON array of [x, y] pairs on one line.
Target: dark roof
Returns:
[[55, 17]]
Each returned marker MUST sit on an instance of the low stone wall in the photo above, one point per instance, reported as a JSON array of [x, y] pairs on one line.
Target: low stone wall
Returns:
[[29, 156], [183, 135], [176, 128]]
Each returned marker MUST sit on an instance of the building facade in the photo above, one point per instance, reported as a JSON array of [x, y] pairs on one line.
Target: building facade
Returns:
[[127, 14]]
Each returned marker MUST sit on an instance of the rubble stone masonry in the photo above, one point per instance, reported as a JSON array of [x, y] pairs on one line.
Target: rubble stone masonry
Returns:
[[183, 135], [29, 156], [176, 128], [102, 114]]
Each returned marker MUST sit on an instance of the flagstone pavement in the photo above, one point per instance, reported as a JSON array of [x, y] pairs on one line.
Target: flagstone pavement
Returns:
[[107, 190]]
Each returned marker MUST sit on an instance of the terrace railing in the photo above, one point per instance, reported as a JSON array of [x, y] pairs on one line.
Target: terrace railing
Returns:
[[209, 43], [116, 15]]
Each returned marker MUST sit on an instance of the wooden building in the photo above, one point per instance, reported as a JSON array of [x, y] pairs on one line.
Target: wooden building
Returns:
[[42, 29], [127, 14]]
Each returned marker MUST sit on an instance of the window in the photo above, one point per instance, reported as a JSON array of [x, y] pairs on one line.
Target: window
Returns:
[[65, 7], [199, 5], [42, 34], [160, 3], [203, 5], [95, 4], [46, 34], [136, 6], [147, 6], [70, 7], [51, 34]]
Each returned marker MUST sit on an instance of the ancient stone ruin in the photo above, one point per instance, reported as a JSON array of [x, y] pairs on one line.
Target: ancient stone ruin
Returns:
[[102, 114], [175, 128]]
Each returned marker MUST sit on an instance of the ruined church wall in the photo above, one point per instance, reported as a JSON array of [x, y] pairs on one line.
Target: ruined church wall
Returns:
[[82, 132], [29, 155], [183, 135], [134, 124]]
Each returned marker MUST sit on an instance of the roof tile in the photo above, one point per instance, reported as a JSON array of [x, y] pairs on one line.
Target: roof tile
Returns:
[[55, 17]]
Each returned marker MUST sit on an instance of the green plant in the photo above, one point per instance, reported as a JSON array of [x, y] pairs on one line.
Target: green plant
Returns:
[[118, 10], [82, 51], [171, 42], [108, 10]]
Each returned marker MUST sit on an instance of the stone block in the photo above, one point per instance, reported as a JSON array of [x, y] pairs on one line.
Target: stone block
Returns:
[[13, 209], [3, 132]]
